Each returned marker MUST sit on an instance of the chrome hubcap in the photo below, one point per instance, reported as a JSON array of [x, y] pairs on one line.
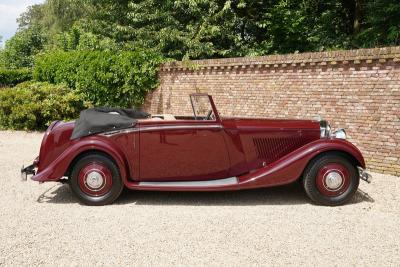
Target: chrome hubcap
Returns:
[[333, 180], [94, 179]]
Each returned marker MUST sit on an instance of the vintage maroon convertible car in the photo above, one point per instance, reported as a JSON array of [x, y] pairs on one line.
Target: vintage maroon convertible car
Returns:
[[107, 150]]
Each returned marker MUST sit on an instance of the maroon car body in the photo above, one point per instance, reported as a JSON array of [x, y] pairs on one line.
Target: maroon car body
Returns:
[[207, 154]]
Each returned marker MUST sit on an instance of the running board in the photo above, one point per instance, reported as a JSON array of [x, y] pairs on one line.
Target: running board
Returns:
[[209, 183]]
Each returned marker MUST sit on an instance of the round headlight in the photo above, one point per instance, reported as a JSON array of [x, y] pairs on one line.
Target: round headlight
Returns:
[[340, 133]]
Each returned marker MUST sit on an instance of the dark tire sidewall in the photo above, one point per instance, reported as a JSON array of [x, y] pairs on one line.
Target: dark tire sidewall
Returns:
[[310, 176], [107, 198]]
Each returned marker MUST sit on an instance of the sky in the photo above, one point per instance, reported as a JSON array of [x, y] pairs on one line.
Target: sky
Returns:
[[9, 12]]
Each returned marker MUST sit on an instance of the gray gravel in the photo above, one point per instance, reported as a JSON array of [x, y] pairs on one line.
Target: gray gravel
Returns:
[[44, 224]]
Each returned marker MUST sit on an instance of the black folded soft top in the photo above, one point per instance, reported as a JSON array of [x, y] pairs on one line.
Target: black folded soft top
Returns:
[[99, 120]]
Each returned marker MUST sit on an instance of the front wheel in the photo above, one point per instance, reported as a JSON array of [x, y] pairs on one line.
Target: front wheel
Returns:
[[95, 180], [331, 179]]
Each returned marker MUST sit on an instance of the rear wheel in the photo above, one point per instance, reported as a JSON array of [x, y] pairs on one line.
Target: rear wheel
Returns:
[[95, 180], [331, 179]]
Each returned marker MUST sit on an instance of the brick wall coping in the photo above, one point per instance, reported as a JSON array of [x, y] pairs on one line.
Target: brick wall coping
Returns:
[[315, 58]]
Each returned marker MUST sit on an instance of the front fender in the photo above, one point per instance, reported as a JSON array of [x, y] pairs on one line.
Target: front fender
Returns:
[[289, 168], [58, 167]]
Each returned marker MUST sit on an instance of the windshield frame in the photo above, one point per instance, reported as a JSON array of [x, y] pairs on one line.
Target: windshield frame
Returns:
[[211, 102]]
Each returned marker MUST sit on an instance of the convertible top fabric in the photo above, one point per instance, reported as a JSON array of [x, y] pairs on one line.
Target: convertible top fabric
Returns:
[[99, 120]]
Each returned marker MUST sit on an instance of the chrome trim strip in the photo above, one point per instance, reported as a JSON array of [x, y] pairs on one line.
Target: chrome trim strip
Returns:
[[128, 130], [179, 127], [218, 182], [161, 127]]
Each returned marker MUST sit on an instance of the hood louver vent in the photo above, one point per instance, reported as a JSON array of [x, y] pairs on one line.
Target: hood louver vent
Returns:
[[272, 149]]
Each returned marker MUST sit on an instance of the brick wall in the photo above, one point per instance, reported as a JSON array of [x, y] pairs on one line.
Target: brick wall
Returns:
[[358, 90]]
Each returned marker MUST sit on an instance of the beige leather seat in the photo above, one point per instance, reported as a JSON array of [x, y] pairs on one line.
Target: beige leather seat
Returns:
[[167, 117], [155, 119]]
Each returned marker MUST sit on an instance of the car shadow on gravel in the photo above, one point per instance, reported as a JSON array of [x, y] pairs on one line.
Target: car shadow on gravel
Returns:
[[283, 195]]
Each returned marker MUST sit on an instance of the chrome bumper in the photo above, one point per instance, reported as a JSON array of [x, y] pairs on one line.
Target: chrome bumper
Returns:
[[29, 170], [365, 175]]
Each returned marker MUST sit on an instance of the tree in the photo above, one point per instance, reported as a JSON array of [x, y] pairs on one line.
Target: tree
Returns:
[[197, 29], [381, 24], [60, 15], [20, 50], [33, 16], [226, 28], [1, 53], [192, 29]]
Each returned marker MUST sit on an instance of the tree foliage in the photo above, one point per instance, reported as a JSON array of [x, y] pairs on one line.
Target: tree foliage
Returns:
[[226, 28], [197, 29], [11, 77], [103, 78], [34, 105], [20, 50], [381, 24]]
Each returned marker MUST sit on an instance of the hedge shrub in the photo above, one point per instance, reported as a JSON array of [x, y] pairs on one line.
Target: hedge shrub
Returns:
[[104, 78], [12, 77], [34, 105]]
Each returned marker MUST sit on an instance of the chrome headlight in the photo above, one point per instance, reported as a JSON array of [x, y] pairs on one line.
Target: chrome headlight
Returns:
[[339, 133]]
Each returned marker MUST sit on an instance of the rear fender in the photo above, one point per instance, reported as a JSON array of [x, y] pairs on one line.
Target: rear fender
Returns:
[[57, 169], [290, 168]]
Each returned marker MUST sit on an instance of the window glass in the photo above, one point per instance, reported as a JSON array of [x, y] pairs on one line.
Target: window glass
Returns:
[[202, 107]]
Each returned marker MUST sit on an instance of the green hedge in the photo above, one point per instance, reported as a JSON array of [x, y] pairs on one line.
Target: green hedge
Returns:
[[34, 105], [12, 77], [104, 78]]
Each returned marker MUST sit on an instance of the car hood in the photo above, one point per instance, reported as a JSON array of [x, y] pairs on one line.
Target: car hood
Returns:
[[272, 123]]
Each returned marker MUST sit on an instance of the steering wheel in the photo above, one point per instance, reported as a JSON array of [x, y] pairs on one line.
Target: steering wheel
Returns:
[[208, 117]]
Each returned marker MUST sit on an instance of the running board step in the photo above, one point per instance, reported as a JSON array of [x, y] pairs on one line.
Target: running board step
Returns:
[[209, 183]]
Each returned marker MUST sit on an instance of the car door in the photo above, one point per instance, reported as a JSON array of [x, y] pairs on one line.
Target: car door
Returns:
[[183, 151]]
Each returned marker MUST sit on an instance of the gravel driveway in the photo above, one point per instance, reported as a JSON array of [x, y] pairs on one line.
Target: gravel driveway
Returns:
[[44, 224]]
